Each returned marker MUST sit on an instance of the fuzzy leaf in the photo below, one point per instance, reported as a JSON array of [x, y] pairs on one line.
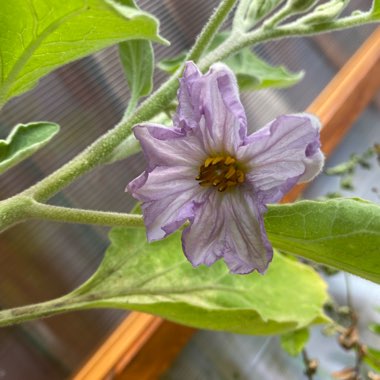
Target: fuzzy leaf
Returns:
[[23, 141], [37, 37], [137, 59], [255, 74], [342, 233], [170, 65], [252, 72], [294, 342], [156, 278]]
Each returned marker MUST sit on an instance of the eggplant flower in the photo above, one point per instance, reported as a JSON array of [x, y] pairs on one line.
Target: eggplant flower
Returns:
[[208, 171]]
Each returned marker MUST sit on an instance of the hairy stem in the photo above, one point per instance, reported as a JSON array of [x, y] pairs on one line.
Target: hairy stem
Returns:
[[70, 215], [31, 312], [237, 42]]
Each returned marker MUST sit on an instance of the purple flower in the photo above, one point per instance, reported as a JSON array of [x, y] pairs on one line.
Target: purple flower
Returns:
[[206, 170]]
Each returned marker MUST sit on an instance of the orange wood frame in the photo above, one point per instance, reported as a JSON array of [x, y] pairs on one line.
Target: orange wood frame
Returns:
[[143, 346]]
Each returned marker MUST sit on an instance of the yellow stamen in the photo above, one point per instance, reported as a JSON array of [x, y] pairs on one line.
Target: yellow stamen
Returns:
[[229, 160], [208, 162], [222, 172], [230, 173], [216, 160], [240, 176]]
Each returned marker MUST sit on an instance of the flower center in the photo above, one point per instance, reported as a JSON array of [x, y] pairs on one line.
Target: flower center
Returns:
[[221, 172]]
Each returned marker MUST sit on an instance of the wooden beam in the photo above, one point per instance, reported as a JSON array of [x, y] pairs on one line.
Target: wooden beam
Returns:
[[142, 346]]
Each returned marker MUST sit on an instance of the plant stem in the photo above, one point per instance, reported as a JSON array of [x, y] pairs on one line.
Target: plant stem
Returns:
[[70, 215], [237, 42], [31, 312], [208, 33]]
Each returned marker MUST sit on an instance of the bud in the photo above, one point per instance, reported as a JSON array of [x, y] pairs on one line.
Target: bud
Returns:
[[300, 5], [325, 12]]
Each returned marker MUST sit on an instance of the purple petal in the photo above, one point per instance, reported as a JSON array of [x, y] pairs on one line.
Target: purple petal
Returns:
[[284, 152], [249, 245], [203, 241], [210, 103], [185, 112], [164, 146], [167, 195], [231, 226]]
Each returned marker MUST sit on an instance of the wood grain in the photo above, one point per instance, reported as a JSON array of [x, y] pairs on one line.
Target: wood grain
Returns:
[[143, 346]]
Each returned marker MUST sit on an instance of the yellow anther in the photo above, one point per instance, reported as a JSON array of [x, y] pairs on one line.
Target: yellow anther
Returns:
[[216, 160], [208, 162], [230, 173], [240, 176], [222, 172], [229, 160]]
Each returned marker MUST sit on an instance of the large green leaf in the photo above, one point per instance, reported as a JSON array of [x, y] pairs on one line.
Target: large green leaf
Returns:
[[40, 35], [23, 141], [342, 233], [156, 278]]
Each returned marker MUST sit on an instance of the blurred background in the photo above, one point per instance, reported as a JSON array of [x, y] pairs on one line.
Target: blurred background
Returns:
[[40, 260]]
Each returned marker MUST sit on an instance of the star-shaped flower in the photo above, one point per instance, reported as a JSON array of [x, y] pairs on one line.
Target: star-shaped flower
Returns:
[[207, 171]]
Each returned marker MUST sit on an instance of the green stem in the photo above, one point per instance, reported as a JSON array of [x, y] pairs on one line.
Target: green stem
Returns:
[[31, 312], [208, 33], [235, 43], [70, 215], [132, 104], [279, 16]]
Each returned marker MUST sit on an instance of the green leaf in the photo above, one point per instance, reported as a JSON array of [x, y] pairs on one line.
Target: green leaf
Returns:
[[372, 358], [171, 65], [342, 233], [137, 59], [40, 35], [252, 72], [294, 342], [23, 141], [156, 278], [375, 11], [375, 328]]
